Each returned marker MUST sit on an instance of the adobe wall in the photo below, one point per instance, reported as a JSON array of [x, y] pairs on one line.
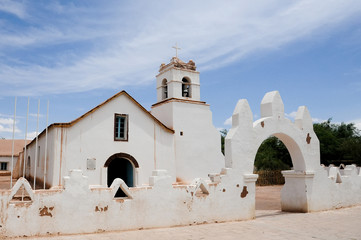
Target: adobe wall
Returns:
[[310, 186], [79, 208]]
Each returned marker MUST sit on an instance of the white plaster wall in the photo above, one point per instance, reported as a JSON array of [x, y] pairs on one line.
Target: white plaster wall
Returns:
[[309, 187], [321, 190], [93, 137], [50, 158], [198, 150], [164, 112], [245, 137], [94, 209]]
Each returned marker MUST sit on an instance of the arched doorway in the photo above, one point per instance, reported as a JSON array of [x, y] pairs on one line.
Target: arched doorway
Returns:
[[121, 165], [246, 136], [271, 159]]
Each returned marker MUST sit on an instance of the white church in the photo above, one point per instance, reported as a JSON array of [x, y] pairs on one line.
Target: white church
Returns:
[[121, 139], [119, 166]]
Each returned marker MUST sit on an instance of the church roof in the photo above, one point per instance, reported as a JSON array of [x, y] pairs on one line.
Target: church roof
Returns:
[[69, 124], [6, 147]]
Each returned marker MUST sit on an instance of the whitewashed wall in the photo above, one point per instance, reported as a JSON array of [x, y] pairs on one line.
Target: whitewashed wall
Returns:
[[197, 141], [309, 187], [95, 209], [93, 137]]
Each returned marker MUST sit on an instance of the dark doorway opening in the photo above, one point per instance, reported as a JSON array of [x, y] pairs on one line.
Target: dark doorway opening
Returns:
[[121, 168]]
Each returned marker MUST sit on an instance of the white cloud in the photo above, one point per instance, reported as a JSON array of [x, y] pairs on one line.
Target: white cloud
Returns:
[[12, 7], [117, 45], [31, 135], [318, 120], [357, 123], [291, 115], [6, 125], [228, 121], [35, 115], [6, 121]]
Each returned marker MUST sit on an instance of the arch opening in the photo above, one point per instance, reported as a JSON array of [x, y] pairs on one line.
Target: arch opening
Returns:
[[164, 89], [121, 165], [186, 87], [273, 156]]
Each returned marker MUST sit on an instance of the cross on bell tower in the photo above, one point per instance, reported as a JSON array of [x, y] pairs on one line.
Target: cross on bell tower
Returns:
[[176, 49]]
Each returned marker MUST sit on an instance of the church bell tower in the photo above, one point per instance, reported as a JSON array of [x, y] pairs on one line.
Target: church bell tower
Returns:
[[197, 143], [178, 80]]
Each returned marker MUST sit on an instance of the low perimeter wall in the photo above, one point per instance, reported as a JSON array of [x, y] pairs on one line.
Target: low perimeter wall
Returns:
[[323, 189], [79, 208]]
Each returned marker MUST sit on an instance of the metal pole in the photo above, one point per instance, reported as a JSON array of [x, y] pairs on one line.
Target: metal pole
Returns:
[[12, 149], [46, 142], [26, 136], [36, 146], [25, 142]]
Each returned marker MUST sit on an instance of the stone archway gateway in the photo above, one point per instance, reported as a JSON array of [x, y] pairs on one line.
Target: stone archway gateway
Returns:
[[121, 165], [245, 137]]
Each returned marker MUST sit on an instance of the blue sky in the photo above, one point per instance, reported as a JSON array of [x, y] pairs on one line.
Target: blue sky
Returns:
[[76, 54]]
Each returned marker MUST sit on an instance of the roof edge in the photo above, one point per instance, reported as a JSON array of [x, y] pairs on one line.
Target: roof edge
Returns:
[[123, 92]]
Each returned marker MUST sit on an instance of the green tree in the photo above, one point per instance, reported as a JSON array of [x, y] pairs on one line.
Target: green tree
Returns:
[[339, 142], [273, 155], [223, 138]]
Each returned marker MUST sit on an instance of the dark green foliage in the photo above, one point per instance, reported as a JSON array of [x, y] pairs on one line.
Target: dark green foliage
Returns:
[[272, 155], [339, 143], [223, 137]]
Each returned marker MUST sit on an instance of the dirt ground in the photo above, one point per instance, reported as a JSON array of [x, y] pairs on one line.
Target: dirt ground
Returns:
[[268, 197]]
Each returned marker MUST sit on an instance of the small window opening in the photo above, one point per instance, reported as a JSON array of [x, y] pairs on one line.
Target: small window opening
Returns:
[[3, 166], [186, 88], [164, 89], [121, 127]]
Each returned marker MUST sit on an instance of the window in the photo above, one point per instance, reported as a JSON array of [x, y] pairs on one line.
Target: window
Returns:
[[164, 89], [3, 166], [186, 88], [121, 127]]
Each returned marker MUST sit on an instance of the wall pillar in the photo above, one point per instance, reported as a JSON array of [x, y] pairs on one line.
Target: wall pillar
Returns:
[[295, 194]]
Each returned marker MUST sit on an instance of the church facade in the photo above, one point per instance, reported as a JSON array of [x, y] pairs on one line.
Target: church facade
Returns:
[[121, 139]]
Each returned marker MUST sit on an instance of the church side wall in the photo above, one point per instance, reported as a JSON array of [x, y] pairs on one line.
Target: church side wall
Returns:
[[39, 162], [93, 137]]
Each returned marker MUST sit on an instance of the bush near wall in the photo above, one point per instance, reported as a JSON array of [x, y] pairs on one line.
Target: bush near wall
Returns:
[[269, 177]]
